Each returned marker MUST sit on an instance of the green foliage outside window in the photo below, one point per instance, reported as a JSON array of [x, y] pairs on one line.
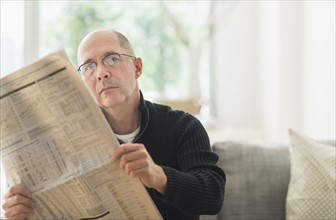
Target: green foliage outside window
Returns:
[[148, 29]]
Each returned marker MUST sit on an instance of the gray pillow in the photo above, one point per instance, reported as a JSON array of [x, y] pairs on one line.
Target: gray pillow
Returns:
[[257, 180]]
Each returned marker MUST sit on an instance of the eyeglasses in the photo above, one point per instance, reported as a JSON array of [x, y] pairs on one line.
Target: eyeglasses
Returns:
[[86, 69]]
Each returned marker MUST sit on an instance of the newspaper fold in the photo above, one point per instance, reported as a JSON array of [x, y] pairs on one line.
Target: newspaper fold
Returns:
[[55, 140]]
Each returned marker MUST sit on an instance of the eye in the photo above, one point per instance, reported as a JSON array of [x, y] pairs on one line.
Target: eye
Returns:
[[87, 68], [90, 66], [111, 59]]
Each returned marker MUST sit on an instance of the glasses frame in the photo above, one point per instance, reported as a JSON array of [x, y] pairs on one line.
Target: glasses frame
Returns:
[[94, 62]]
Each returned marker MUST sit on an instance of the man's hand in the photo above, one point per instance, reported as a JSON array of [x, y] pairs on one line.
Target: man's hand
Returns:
[[17, 203], [136, 161]]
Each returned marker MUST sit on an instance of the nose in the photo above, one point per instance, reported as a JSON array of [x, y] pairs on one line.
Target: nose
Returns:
[[102, 72]]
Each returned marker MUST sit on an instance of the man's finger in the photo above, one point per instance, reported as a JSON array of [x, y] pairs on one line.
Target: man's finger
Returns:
[[123, 149], [18, 189], [18, 212], [16, 201]]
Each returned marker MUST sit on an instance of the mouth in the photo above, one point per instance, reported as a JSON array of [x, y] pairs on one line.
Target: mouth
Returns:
[[106, 89]]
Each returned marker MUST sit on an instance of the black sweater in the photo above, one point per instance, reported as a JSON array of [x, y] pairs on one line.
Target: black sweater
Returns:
[[178, 142]]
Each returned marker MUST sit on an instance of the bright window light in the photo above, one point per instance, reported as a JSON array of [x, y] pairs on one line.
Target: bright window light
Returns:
[[12, 29]]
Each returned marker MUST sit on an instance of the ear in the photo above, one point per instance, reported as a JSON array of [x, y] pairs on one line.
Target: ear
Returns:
[[138, 67]]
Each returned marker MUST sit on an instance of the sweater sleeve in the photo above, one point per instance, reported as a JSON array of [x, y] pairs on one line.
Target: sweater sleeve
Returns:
[[198, 185]]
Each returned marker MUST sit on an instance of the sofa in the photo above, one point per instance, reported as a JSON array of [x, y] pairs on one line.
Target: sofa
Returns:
[[262, 183]]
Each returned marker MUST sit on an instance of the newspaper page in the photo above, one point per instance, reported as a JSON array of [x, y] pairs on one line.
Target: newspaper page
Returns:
[[56, 141]]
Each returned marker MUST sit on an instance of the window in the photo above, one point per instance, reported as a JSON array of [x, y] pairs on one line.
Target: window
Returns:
[[170, 38], [12, 38], [173, 49]]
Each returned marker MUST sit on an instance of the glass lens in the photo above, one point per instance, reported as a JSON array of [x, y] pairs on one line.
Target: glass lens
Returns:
[[88, 68], [111, 59]]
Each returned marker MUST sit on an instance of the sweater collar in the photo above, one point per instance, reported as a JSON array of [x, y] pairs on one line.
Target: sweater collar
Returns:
[[144, 112]]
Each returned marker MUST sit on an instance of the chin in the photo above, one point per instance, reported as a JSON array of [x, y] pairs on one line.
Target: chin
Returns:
[[111, 102]]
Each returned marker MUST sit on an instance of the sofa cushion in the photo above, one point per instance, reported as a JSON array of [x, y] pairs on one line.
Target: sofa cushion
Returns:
[[257, 180], [311, 192]]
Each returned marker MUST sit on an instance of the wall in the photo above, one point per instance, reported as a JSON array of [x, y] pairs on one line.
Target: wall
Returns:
[[319, 69], [274, 67]]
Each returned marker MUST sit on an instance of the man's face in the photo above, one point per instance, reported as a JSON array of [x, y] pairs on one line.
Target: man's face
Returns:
[[109, 85]]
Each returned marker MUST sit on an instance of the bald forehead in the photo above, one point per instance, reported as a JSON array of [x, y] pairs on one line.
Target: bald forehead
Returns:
[[101, 34], [96, 42]]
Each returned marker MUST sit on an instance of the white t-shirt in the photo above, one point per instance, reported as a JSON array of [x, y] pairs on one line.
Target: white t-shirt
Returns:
[[128, 138]]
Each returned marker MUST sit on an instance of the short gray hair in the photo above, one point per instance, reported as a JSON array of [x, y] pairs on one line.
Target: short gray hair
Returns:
[[124, 42]]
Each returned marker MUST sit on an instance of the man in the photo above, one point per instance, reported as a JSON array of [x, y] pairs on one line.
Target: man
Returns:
[[168, 150]]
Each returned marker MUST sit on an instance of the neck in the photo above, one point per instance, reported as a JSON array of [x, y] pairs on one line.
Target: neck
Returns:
[[124, 119]]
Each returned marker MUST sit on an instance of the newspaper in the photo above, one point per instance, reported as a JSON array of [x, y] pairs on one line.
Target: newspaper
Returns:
[[56, 141]]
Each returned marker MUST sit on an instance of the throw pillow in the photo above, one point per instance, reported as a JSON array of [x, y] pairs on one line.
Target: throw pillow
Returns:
[[257, 177], [311, 191]]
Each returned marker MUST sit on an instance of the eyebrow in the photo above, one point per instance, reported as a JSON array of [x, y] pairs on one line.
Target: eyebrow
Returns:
[[110, 53], [90, 60]]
